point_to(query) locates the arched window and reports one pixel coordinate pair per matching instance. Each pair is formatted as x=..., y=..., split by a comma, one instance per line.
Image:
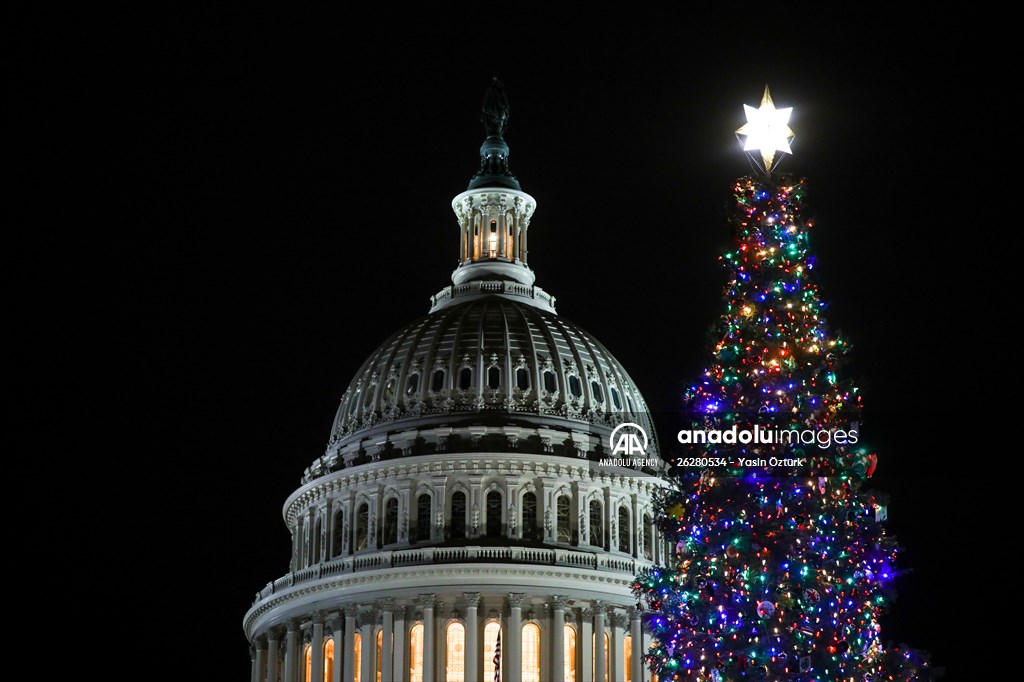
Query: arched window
x=328, y=659
x=380, y=652
x=530, y=516
x=357, y=658
x=596, y=524
x=465, y=378
x=625, y=542
x=490, y=641
x=569, y=653
x=628, y=644
x=437, y=382
x=494, y=514
x=607, y=648
x=458, y=514
x=424, y=510
x=615, y=398
x=455, y=653
x=314, y=557
x=564, y=531
x=307, y=663
x=391, y=521
x=575, y=387
x=595, y=388
x=338, y=534
x=549, y=381
x=493, y=378
x=362, y=526
x=415, y=653
x=648, y=541
x=522, y=378
x=531, y=653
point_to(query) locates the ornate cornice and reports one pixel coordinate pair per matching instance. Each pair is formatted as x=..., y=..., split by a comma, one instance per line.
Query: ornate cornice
x=515, y=599
x=471, y=599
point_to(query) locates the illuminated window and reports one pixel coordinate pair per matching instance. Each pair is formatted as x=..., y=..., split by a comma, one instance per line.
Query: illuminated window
x=415, y=653
x=564, y=532
x=569, y=653
x=531, y=653
x=455, y=653
x=328, y=659
x=492, y=240
x=339, y=533
x=607, y=648
x=307, y=663
x=357, y=658
x=647, y=537
x=624, y=539
x=362, y=524
x=596, y=524
x=493, y=514
x=490, y=640
x=530, y=531
x=380, y=652
x=458, y=514
x=628, y=644
x=423, y=514
x=391, y=521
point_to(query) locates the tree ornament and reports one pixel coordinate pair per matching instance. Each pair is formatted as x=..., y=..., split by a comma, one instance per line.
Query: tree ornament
x=732, y=552
x=765, y=609
x=812, y=596
x=677, y=510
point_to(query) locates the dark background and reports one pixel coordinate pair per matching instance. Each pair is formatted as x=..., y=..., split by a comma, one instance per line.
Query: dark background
x=223, y=212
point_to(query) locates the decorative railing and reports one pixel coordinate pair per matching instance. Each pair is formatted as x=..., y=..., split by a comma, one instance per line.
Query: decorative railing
x=447, y=555
x=492, y=287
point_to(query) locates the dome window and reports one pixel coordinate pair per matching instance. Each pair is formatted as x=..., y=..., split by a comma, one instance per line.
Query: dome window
x=492, y=240
x=412, y=384
x=389, y=391
x=437, y=382
x=564, y=532
x=615, y=398
x=493, y=378
x=596, y=524
x=391, y=521
x=530, y=516
x=595, y=389
x=458, y=514
x=575, y=387
x=624, y=540
x=423, y=514
x=493, y=514
x=522, y=379
x=465, y=378
x=549, y=381
x=362, y=526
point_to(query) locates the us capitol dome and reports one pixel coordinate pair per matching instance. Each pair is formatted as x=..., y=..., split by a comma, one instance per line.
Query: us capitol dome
x=468, y=488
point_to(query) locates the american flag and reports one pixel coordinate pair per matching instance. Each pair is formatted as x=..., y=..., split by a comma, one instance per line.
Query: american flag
x=497, y=658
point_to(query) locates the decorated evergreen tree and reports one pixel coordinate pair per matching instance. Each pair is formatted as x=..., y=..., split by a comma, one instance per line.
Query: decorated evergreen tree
x=782, y=567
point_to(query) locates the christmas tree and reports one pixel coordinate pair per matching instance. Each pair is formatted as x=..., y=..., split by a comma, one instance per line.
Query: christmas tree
x=782, y=566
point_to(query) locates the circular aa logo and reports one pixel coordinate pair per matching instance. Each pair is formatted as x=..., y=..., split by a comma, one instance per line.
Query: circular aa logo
x=628, y=442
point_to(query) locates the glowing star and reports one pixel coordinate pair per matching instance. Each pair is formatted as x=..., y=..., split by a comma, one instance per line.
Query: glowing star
x=767, y=129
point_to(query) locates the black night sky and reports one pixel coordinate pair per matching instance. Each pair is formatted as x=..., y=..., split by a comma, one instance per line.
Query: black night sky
x=233, y=208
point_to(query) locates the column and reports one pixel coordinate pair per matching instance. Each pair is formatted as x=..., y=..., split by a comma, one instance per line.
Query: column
x=400, y=664
x=348, y=660
x=636, y=634
x=426, y=602
x=513, y=652
x=316, y=650
x=291, y=652
x=585, y=644
x=600, y=671
x=387, y=609
x=366, y=624
x=473, y=663
x=253, y=667
x=273, y=636
x=334, y=626
x=618, y=623
x=261, y=659
x=558, y=638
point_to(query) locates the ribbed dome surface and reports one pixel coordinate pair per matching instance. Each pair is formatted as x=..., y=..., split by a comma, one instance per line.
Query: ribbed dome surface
x=489, y=357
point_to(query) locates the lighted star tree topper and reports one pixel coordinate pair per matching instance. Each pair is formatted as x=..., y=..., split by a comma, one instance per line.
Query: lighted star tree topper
x=782, y=567
x=767, y=130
